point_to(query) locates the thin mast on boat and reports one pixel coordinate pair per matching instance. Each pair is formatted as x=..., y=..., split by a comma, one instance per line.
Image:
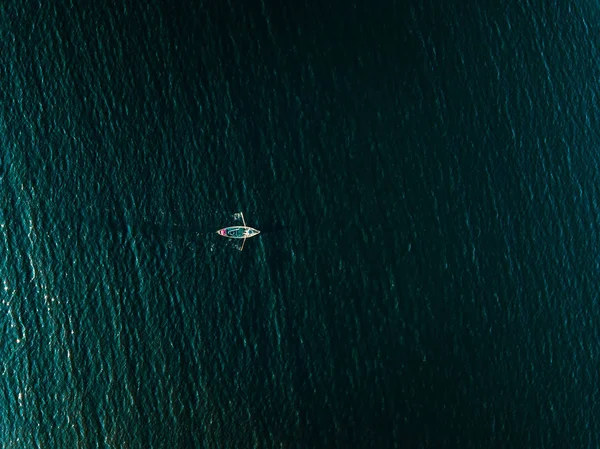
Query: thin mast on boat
x=243, y=221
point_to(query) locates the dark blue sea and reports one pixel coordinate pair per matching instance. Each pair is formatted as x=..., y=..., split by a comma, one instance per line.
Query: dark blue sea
x=425, y=177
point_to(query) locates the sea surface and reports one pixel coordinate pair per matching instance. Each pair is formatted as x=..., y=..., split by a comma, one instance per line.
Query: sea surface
x=425, y=176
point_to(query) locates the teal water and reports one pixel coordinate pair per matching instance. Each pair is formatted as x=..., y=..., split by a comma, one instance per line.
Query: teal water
x=425, y=183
